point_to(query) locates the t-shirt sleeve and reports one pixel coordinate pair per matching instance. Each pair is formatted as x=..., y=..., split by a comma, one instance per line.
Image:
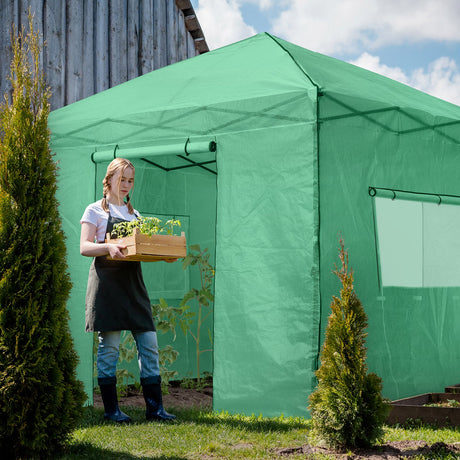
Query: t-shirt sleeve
x=90, y=215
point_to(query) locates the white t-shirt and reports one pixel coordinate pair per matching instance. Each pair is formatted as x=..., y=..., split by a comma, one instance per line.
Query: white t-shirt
x=94, y=214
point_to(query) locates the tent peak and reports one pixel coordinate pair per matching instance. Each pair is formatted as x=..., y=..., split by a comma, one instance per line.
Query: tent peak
x=278, y=42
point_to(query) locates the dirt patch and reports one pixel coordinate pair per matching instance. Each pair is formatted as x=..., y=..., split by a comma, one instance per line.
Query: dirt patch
x=389, y=451
x=178, y=397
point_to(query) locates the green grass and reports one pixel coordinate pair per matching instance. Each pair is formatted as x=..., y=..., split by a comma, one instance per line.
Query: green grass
x=208, y=435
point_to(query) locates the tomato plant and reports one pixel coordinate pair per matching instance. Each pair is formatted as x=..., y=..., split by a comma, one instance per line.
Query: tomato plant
x=146, y=225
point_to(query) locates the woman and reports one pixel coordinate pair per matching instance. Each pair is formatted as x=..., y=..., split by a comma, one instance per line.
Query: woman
x=116, y=297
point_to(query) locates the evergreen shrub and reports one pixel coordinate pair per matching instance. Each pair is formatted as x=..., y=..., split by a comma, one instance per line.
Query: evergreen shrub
x=40, y=398
x=347, y=407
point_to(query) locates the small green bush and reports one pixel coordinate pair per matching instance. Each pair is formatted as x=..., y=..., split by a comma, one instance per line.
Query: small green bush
x=40, y=398
x=347, y=407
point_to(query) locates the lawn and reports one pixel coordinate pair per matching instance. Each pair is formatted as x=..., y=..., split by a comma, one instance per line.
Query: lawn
x=208, y=435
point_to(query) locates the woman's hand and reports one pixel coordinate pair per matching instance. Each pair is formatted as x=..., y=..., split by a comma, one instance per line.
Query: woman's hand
x=115, y=251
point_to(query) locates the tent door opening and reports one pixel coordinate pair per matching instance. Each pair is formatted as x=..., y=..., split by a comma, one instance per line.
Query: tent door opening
x=188, y=194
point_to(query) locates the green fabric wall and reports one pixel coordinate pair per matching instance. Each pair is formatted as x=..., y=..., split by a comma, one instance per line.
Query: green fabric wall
x=411, y=334
x=266, y=317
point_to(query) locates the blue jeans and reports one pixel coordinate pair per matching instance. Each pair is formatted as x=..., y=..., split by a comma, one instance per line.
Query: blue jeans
x=147, y=354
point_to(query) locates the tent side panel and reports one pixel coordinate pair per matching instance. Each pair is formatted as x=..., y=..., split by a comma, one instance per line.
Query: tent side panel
x=412, y=329
x=266, y=317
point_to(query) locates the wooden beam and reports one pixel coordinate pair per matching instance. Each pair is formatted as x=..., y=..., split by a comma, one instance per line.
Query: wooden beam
x=201, y=45
x=184, y=4
x=193, y=25
x=191, y=22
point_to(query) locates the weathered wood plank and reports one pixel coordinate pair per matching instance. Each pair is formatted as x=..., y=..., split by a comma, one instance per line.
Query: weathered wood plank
x=160, y=57
x=133, y=39
x=17, y=14
x=181, y=37
x=101, y=47
x=55, y=52
x=22, y=11
x=88, y=49
x=74, y=52
x=147, y=36
x=118, y=42
x=191, y=50
x=171, y=32
x=36, y=8
x=6, y=54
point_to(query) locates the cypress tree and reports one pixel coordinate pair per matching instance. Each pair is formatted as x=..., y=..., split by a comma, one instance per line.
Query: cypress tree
x=347, y=407
x=40, y=398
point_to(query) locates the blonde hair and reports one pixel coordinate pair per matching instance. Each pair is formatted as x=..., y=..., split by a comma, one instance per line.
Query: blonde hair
x=118, y=164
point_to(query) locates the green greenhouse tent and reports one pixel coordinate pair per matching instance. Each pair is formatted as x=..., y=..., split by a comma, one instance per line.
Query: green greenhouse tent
x=269, y=153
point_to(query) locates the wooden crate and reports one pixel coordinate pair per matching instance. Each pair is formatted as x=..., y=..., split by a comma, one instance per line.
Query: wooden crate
x=147, y=248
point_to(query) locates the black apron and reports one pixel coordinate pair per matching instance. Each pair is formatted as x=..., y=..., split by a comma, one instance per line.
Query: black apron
x=116, y=296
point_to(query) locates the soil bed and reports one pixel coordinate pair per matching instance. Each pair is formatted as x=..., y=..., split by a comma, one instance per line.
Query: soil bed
x=181, y=398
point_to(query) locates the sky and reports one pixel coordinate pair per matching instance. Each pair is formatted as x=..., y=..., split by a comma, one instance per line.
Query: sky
x=416, y=42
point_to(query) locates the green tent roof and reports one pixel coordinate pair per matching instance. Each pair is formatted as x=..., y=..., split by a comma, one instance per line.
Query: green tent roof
x=261, y=66
x=335, y=76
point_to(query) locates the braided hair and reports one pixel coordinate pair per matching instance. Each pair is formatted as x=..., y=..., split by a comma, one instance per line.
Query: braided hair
x=118, y=164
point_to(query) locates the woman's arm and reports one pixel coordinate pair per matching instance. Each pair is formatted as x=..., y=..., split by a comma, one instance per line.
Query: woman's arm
x=89, y=248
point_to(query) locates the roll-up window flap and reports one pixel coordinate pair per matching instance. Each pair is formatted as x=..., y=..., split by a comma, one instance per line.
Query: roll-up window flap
x=187, y=147
x=395, y=194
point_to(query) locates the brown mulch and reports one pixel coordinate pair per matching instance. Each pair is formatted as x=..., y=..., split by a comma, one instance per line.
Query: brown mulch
x=390, y=451
x=178, y=397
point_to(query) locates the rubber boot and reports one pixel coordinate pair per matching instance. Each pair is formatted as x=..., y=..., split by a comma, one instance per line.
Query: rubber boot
x=111, y=410
x=154, y=403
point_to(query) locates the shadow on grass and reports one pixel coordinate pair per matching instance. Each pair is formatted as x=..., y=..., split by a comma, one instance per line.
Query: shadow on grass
x=207, y=417
x=93, y=420
x=95, y=417
x=252, y=423
x=89, y=451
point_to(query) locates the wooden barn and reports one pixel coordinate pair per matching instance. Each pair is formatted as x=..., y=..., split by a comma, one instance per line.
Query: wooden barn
x=94, y=45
